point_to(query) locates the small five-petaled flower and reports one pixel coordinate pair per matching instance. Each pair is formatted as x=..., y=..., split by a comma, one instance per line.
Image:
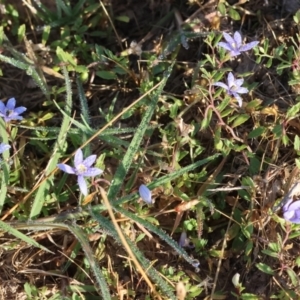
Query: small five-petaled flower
x=234, y=45
x=233, y=87
x=9, y=112
x=82, y=168
x=291, y=211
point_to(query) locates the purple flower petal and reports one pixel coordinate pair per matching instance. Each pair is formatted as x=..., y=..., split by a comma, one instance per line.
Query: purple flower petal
x=19, y=110
x=239, y=100
x=66, y=168
x=294, y=206
x=288, y=215
x=238, y=39
x=225, y=46
x=249, y=46
x=13, y=116
x=234, y=53
x=11, y=103
x=230, y=80
x=82, y=185
x=287, y=204
x=242, y=90
x=239, y=82
x=221, y=84
x=89, y=160
x=2, y=107
x=145, y=194
x=78, y=157
x=228, y=39
x=91, y=172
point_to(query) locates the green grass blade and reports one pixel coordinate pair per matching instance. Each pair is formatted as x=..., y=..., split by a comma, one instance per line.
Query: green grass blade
x=101, y=283
x=5, y=166
x=30, y=70
x=7, y=228
x=45, y=186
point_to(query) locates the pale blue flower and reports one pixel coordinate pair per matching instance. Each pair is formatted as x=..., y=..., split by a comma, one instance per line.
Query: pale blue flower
x=234, y=45
x=291, y=211
x=145, y=194
x=3, y=147
x=233, y=87
x=82, y=168
x=9, y=112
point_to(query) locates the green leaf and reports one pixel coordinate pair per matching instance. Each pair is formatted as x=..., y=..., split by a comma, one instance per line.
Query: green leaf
x=269, y=62
x=293, y=276
x=234, y=15
x=249, y=248
x=81, y=69
x=246, y=296
x=205, y=122
x=265, y=268
x=297, y=161
x=222, y=8
x=247, y=230
x=224, y=104
x=277, y=130
x=293, y=111
x=241, y=119
x=124, y=19
x=285, y=140
x=257, y=132
x=65, y=56
x=253, y=104
x=297, y=261
x=21, y=33
x=106, y=75
x=46, y=34
x=270, y=253
x=274, y=247
x=297, y=143
x=1, y=35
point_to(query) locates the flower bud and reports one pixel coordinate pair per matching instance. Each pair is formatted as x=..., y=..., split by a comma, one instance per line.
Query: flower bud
x=236, y=280
x=145, y=194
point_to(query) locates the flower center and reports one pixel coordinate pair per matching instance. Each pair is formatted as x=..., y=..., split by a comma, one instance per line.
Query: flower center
x=9, y=112
x=233, y=87
x=81, y=168
x=233, y=45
